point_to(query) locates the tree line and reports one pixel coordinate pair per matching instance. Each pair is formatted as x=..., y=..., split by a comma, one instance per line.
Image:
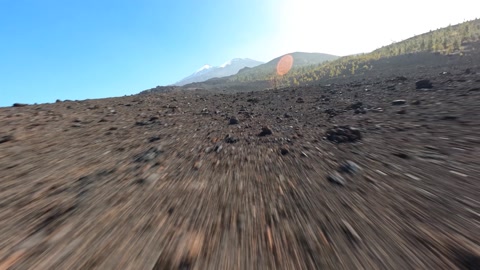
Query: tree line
x=448, y=40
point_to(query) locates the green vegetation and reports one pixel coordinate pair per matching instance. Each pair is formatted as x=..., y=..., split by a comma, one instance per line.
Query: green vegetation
x=449, y=40
x=267, y=70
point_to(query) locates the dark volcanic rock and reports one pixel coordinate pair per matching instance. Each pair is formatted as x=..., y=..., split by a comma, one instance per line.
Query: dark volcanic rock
x=149, y=155
x=218, y=148
x=284, y=151
x=349, y=167
x=449, y=117
x=331, y=113
x=230, y=139
x=398, y=102
x=402, y=111
x=401, y=155
x=356, y=105
x=154, y=139
x=343, y=134
x=360, y=111
x=6, y=138
x=416, y=102
x=265, y=131
x=336, y=178
x=423, y=84
x=19, y=105
x=233, y=121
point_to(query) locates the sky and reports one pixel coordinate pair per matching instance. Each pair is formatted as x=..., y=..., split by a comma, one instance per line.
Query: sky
x=81, y=49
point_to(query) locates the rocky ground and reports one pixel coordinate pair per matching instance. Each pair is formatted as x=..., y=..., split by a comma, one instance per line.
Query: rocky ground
x=369, y=174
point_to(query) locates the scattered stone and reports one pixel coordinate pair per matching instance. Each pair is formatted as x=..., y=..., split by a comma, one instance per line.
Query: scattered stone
x=140, y=181
x=416, y=102
x=423, y=84
x=149, y=155
x=331, y=112
x=58, y=101
x=284, y=151
x=343, y=134
x=152, y=120
x=230, y=139
x=468, y=71
x=300, y=100
x=402, y=111
x=356, y=105
x=336, y=178
x=6, y=138
x=218, y=148
x=458, y=173
x=208, y=150
x=287, y=115
x=233, y=121
x=391, y=87
x=349, y=167
x=360, y=111
x=350, y=232
x=197, y=165
x=154, y=139
x=449, y=117
x=412, y=177
x=76, y=125
x=399, y=102
x=265, y=131
x=466, y=259
x=19, y=105
x=401, y=155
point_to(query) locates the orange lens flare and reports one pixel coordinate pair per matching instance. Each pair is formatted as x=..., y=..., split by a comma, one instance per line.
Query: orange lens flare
x=284, y=65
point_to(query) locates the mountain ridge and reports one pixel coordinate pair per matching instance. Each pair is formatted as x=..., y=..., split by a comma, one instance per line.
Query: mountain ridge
x=227, y=69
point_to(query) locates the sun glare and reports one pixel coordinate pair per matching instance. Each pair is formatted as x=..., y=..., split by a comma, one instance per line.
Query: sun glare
x=284, y=64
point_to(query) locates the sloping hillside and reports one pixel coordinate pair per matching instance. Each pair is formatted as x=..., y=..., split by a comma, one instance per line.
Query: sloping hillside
x=300, y=59
x=453, y=40
x=457, y=39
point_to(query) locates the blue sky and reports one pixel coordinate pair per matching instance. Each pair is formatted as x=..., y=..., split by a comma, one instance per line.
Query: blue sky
x=57, y=49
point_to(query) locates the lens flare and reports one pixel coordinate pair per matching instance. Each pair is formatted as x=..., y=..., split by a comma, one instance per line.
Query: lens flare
x=284, y=65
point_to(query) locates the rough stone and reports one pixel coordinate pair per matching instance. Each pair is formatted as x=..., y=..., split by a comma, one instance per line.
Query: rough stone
x=343, y=134
x=265, y=131
x=423, y=84
x=233, y=121
x=399, y=102
x=337, y=179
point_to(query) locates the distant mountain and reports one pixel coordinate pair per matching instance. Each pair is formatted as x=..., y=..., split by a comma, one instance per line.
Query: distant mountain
x=300, y=59
x=229, y=68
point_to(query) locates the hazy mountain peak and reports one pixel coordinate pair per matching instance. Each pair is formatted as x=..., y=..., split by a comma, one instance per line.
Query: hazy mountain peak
x=228, y=68
x=205, y=67
x=235, y=60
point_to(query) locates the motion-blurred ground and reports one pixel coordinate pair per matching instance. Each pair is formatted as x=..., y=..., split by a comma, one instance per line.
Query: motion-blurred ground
x=370, y=173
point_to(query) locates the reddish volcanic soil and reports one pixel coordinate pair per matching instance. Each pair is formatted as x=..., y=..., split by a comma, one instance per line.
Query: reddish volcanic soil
x=372, y=174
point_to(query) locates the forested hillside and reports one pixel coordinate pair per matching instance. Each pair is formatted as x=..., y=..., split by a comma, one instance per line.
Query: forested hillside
x=456, y=39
